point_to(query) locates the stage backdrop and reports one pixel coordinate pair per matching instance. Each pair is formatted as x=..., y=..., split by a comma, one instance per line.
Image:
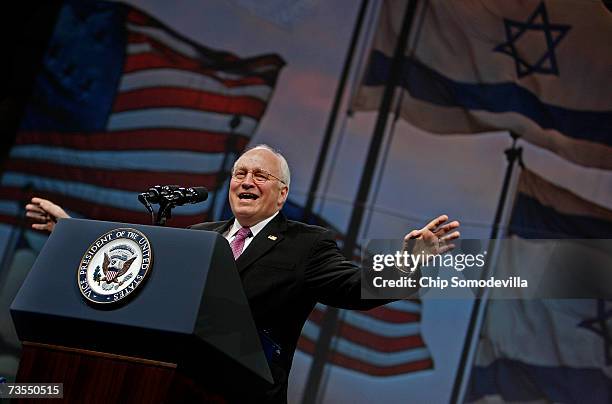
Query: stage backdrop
x=189, y=84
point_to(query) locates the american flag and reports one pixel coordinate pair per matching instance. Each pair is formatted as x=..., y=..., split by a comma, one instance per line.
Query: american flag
x=122, y=103
x=385, y=341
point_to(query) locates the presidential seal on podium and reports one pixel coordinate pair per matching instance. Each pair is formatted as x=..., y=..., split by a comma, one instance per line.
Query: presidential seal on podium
x=114, y=266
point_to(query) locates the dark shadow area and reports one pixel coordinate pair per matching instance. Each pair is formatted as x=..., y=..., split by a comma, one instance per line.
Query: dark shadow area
x=27, y=27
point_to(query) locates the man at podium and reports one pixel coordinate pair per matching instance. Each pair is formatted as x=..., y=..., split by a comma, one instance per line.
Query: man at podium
x=286, y=267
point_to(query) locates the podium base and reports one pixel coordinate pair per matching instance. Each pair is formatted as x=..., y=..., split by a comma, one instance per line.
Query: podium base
x=98, y=377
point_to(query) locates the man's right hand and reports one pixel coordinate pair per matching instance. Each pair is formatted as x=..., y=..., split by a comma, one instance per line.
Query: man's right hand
x=44, y=213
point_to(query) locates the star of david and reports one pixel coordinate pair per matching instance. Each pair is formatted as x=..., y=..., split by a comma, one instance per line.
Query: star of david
x=599, y=325
x=553, y=33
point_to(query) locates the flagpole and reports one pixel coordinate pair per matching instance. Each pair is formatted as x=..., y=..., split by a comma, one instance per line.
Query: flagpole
x=339, y=128
x=381, y=171
x=230, y=147
x=513, y=154
x=333, y=116
x=329, y=321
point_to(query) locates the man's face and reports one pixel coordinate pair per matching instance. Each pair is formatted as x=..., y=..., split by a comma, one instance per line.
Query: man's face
x=252, y=202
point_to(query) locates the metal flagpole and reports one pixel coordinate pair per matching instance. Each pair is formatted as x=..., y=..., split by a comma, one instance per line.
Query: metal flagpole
x=230, y=148
x=513, y=154
x=333, y=116
x=366, y=37
x=381, y=170
x=329, y=322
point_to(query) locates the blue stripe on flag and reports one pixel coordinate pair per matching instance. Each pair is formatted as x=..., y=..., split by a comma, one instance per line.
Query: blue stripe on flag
x=555, y=384
x=152, y=160
x=430, y=86
x=531, y=219
x=95, y=194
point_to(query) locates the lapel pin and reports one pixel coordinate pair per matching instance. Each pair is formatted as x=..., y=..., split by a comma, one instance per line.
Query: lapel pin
x=273, y=238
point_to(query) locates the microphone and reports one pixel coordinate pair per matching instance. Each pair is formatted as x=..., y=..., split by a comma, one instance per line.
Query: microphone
x=181, y=195
x=174, y=194
x=157, y=193
x=168, y=197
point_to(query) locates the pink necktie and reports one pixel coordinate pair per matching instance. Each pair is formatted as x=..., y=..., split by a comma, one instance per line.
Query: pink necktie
x=238, y=243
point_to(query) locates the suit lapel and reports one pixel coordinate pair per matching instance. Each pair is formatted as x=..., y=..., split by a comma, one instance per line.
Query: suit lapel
x=267, y=238
x=223, y=227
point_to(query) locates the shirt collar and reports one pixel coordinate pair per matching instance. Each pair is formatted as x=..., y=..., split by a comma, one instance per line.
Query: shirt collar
x=254, y=229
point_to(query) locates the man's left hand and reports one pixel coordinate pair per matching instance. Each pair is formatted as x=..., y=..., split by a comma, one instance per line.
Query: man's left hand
x=435, y=238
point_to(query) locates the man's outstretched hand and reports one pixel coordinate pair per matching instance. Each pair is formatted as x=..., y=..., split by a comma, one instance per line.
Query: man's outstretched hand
x=44, y=213
x=435, y=238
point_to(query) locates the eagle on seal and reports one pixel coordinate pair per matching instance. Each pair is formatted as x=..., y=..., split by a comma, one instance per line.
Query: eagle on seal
x=114, y=272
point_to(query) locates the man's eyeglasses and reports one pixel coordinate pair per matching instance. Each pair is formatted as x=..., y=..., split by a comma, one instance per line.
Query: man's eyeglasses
x=259, y=176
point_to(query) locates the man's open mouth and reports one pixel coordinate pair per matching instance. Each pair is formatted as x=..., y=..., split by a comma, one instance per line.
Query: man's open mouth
x=247, y=195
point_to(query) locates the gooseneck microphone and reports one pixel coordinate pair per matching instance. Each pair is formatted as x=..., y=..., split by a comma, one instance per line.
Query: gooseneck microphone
x=157, y=193
x=175, y=194
x=170, y=196
x=181, y=196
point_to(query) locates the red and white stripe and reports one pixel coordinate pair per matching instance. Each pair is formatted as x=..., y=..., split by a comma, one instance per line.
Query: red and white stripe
x=180, y=110
x=111, y=274
x=382, y=342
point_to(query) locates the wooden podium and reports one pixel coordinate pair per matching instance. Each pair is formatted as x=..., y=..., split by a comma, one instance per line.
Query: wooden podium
x=185, y=335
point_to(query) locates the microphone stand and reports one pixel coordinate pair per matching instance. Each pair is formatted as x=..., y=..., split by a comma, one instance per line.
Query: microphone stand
x=169, y=197
x=145, y=201
x=164, y=212
x=167, y=201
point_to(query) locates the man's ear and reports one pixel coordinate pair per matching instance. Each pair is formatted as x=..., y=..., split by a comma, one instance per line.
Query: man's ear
x=282, y=197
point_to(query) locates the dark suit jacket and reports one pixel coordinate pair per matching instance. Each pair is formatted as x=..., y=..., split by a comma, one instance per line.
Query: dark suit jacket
x=284, y=276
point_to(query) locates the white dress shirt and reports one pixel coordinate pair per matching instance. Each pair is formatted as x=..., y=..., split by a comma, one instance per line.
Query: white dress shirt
x=231, y=234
